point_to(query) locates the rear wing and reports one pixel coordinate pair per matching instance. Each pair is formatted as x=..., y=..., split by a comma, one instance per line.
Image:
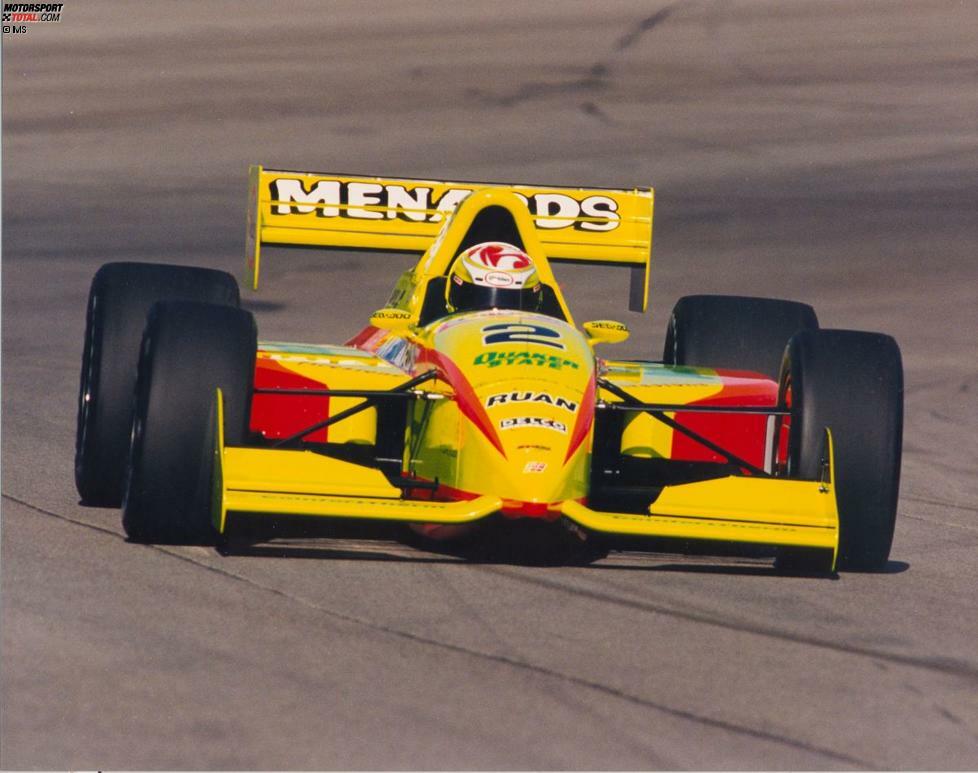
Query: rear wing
x=588, y=225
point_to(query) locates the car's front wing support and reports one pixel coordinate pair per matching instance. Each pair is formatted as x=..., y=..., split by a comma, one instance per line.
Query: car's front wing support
x=276, y=482
x=659, y=412
x=370, y=398
x=776, y=512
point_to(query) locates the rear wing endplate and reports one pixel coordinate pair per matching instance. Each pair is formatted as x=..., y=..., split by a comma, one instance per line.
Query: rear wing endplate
x=589, y=225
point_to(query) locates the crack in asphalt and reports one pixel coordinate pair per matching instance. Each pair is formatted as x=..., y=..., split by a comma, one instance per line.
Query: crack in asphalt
x=591, y=109
x=632, y=37
x=593, y=80
x=521, y=665
x=942, y=665
x=596, y=77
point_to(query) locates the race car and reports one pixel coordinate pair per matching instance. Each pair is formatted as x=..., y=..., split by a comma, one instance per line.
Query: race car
x=474, y=398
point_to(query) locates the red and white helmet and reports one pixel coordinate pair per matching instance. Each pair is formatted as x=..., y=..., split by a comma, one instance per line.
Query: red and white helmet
x=493, y=275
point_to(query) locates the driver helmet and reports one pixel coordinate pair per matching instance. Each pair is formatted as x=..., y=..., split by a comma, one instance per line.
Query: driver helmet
x=494, y=275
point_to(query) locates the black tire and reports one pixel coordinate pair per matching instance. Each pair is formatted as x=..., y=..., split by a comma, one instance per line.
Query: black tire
x=731, y=331
x=119, y=300
x=852, y=383
x=188, y=350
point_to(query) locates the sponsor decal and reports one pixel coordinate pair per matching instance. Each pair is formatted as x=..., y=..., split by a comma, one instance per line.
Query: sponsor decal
x=535, y=467
x=365, y=200
x=532, y=447
x=494, y=359
x=608, y=325
x=498, y=279
x=508, y=398
x=391, y=314
x=16, y=16
x=516, y=422
x=521, y=333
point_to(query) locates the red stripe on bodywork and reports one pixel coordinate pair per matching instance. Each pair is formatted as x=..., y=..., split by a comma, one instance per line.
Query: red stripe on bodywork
x=741, y=435
x=370, y=338
x=511, y=508
x=365, y=338
x=278, y=416
x=585, y=418
x=468, y=401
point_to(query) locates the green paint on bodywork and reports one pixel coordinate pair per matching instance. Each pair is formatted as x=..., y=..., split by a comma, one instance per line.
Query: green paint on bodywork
x=494, y=359
x=323, y=349
x=657, y=374
x=345, y=357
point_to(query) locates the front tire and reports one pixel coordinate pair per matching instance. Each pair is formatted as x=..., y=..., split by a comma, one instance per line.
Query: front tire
x=120, y=297
x=734, y=332
x=852, y=383
x=188, y=350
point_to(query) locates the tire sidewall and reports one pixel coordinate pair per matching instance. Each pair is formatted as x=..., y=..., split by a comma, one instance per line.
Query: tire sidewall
x=188, y=351
x=852, y=383
x=120, y=297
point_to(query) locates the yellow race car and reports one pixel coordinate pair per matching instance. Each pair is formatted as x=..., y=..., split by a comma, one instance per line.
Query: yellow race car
x=473, y=397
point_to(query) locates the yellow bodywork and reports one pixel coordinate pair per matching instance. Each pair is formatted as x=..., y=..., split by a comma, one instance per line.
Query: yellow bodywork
x=261, y=481
x=642, y=435
x=340, y=368
x=506, y=422
x=595, y=225
x=765, y=511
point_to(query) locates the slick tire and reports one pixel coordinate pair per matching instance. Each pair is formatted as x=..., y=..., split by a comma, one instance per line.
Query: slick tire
x=188, y=350
x=852, y=383
x=734, y=332
x=119, y=300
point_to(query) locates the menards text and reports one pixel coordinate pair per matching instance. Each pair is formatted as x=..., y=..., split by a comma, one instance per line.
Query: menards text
x=376, y=201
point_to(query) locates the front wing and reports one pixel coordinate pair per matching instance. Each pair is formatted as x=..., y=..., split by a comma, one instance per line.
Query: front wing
x=272, y=483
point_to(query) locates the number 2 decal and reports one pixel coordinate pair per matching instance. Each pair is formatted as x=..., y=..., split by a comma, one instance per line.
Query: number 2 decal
x=512, y=332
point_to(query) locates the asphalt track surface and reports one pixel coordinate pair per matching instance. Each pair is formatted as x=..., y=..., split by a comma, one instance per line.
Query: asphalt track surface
x=821, y=151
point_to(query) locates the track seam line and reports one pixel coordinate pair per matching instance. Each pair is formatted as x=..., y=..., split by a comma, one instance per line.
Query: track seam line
x=492, y=657
x=932, y=522
x=62, y=517
x=940, y=503
x=951, y=667
x=525, y=666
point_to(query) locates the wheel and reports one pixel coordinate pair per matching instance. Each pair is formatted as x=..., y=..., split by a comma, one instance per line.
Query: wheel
x=852, y=383
x=730, y=331
x=118, y=302
x=188, y=350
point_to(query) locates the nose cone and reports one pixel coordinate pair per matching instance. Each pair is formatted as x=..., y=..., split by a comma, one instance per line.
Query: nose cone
x=541, y=425
x=528, y=402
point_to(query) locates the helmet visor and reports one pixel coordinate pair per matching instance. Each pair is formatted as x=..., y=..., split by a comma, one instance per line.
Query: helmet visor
x=472, y=297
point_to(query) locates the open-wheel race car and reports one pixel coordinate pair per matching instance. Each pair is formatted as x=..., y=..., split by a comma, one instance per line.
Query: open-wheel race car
x=473, y=397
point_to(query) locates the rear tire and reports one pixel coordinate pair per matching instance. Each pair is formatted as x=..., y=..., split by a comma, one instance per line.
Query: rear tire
x=734, y=332
x=120, y=298
x=188, y=350
x=852, y=383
